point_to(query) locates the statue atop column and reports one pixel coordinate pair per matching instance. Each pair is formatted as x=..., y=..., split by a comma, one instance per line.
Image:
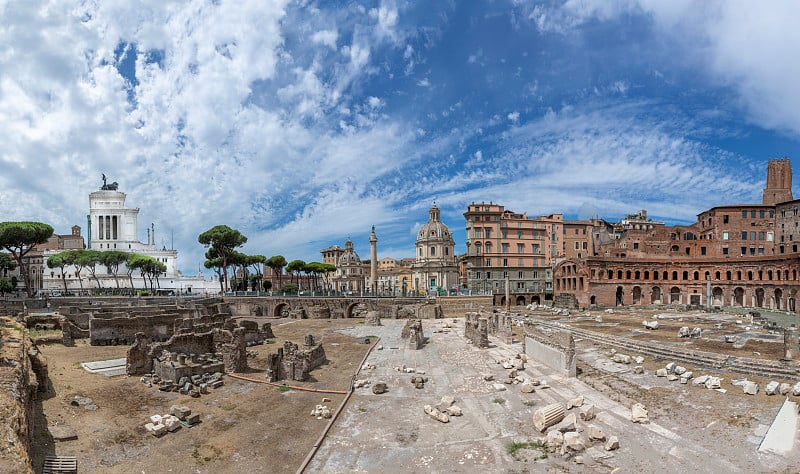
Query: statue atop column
x=108, y=186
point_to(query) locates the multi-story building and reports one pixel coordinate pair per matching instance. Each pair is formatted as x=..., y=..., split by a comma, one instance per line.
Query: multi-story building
x=502, y=244
x=741, y=255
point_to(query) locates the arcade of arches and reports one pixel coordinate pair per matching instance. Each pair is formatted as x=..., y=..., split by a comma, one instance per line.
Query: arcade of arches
x=769, y=283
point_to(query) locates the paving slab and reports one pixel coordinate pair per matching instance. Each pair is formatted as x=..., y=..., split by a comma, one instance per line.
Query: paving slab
x=108, y=368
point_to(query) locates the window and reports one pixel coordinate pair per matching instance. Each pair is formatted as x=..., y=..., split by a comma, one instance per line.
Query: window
x=520, y=262
x=446, y=251
x=744, y=235
x=477, y=233
x=724, y=236
x=488, y=262
x=520, y=248
x=744, y=214
x=752, y=250
x=635, y=245
x=702, y=250
x=771, y=213
x=535, y=275
x=744, y=251
x=770, y=236
x=761, y=235
x=433, y=251
x=752, y=236
x=420, y=251
x=488, y=275
x=488, y=233
x=504, y=234
x=725, y=219
x=505, y=248
x=761, y=250
x=761, y=213
x=724, y=250
x=505, y=274
x=505, y=262
x=519, y=275
x=577, y=245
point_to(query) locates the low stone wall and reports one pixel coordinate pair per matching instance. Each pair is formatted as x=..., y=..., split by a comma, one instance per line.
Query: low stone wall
x=552, y=347
x=476, y=329
x=457, y=306
x=18, y=387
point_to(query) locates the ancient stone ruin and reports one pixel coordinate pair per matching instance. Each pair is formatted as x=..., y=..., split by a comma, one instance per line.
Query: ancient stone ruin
x=476, y=330
x=189, y=352
x=413, y=332
x=552, y=347
x=294, y=363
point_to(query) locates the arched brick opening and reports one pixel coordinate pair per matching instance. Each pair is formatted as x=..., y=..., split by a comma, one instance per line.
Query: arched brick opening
x=738, y=297
x=520, y=300
x=637, y=295
x=778, y=298
x=717, y=297
x=760, y=297
x=655, y=296
x=675, y=295
x=281, y=310
x=619, y=294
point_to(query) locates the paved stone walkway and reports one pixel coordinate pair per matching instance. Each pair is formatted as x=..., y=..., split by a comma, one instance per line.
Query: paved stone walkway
x=391, y=433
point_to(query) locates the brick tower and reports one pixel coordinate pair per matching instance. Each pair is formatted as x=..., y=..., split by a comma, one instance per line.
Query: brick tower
x=779, y=182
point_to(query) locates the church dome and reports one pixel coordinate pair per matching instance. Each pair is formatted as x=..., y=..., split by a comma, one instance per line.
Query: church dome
x=434, y=229
x=349, y=257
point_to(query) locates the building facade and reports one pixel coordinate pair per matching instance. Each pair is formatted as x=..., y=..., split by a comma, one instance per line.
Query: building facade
x=435, y=268
x=502, y=244
x=733, y=255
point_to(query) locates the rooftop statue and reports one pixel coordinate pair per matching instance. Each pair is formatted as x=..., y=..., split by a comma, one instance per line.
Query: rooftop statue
x=108, y=187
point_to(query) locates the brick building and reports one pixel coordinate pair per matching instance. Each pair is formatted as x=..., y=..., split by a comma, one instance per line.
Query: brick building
x=739, y=255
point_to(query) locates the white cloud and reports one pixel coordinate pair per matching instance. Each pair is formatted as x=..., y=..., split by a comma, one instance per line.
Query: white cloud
x=424, y=82
x=513, y=117
x=326, y=37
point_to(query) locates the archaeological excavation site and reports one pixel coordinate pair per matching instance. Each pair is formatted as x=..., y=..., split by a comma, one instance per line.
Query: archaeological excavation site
x=348, y=384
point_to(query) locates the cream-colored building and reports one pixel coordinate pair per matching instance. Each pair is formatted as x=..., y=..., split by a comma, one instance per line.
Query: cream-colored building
x=435, y=268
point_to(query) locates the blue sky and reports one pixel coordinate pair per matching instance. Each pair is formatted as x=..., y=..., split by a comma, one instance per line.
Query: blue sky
x=304, y=123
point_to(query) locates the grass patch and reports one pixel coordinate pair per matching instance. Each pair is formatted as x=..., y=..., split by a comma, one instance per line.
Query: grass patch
x=269, y=341
x=499, y=401
x=362, y=409
x=283, y=389
x=514, y=449
x=227, y=406
x=530, y=403
x=206, y=453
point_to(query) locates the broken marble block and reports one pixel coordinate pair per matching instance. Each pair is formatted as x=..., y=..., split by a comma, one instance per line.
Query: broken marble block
x=573, y=441
x=180, y=412
x=772, y=388
x=575, y=402
x=750, y=388
x=436, y=414
x=596, y=434
x=612, y=443
x=548, y=416
x=639, y=413
x=587, y=412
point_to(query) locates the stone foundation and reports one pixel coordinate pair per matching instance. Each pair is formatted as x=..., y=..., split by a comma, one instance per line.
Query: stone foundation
x=293, y=363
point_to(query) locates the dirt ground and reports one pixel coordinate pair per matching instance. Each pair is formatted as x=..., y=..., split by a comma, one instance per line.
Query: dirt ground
x=245, y=427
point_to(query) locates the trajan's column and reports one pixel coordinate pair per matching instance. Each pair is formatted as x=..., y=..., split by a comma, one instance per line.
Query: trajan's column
x=373, y=261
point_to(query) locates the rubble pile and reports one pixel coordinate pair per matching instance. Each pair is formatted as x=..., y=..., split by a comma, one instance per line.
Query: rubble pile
x=193, y=385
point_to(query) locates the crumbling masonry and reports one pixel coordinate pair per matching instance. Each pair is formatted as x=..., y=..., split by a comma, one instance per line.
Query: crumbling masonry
x=294, y=363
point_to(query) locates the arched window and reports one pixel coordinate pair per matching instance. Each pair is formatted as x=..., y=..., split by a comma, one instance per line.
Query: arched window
x=628, y=275
x=717, y=276
x=610, y=274
x=749, y=275
x=696, y=275
x=685, y=275
x=674, y=275
x=433, y=251
x=619, y=274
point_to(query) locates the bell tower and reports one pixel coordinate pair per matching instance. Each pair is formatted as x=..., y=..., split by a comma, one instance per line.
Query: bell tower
x=779, y=182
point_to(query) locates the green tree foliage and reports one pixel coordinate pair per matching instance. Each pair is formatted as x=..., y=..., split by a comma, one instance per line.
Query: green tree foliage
x=112, y=259
x=5, y=286
x=295, y=266
x=276, y=264
x=6, y=262
x=19, y=238
x=221, y=241
x=89, y=259
x=326, y=270
x=57, y=261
